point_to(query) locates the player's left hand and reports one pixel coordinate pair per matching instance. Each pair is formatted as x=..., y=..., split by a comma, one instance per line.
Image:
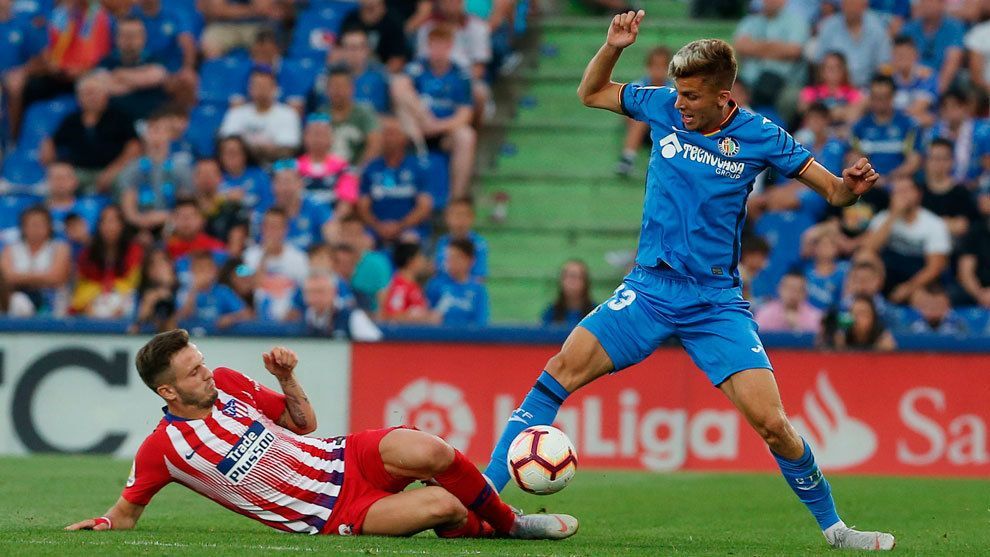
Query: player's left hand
x=89, y=524
x=280, y=362
x=860, y=177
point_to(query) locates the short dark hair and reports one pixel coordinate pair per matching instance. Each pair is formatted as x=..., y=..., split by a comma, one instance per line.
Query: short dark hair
x=38, y=209
x=819, y=108
x=154, y=359
x=466, y=200
x=942, y=142
x=337, y=70
x=956, y=94
x=904, y=40
x=186, y=202
x=404, y=253
x=881, y=79
x=464, y=246
x=658, y=52
x=755, y=244
x=278, y=212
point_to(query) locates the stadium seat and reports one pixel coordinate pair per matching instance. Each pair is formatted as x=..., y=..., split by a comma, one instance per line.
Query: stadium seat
x=204, y=121
x=438, y=173
x=297, y=76
x=782, y=230
x=977, y=319
x=21, y=171
x=317, y=28
x=43, y=118
x=223, y=79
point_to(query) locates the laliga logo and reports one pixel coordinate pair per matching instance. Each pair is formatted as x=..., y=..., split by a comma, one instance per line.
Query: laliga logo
x=433, y=407
x=840, y=441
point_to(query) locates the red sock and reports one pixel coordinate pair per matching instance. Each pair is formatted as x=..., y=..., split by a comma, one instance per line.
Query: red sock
x=464, y=481
x=473, y=527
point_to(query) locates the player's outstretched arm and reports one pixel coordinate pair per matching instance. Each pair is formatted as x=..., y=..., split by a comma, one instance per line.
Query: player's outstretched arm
x=841, y=192
x=597, y=89
x=123, y=515
x=299, y=415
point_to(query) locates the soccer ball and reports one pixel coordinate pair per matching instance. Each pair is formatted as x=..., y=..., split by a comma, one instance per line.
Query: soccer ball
x=542, y=460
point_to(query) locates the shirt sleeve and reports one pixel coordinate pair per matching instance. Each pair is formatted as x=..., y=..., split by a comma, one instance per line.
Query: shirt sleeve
x=288, y=133
x=783, y=153
x=642, y=102
x=271, y=403
x=148, y=472
x=938, y=241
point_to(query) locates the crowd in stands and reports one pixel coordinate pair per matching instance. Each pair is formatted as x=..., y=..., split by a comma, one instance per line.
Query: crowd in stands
x=216, y=162
x=904, y=83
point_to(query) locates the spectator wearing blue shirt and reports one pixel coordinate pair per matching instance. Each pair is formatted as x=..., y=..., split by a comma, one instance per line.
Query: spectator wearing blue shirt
x=150, y=186
x=395, y=201
x=970, y=137
x=309, y=219
x=460, y=300
x=371, y=83
x=459, y=217
x=62, y=200
x=208, y=302
x=243, y=181
x=886, y=135
x=893, y=12
x=434, y=99
x=20, y=41
x=825, y=274
x=916, y=84
x=137, y=80
x=939, y=39
x=573, y=296
x=170, y=39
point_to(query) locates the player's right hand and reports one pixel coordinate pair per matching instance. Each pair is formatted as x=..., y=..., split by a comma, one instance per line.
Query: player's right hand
x=624, y=28
x=88, y=524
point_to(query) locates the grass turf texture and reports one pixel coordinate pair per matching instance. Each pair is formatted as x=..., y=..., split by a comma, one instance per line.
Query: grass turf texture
x=622, y=513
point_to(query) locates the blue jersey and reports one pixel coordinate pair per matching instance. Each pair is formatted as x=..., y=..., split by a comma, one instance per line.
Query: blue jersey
x=932, y=48
x=372, y=87
x=442, y=94
x=393, y=191
x=972, y=142
x=306, y=228
x=460, y=303
x=164, y=30
x=480, y=268
x=87, y=207
x=216, y=302
x=697, y=184
x=256, y=184
x=18, y=42
x=825, y=291
x=886, y=144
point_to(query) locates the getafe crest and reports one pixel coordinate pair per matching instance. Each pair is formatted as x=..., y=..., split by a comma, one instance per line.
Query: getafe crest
x=728, y=147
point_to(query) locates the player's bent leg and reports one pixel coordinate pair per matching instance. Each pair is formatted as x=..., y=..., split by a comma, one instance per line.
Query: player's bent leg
x=409, y=512
x=408, y=453
x=754, y=392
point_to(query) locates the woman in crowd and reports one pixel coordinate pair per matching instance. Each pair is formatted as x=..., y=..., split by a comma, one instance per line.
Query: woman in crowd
x=573, y=296
x=863, y=330
x=156, y=293
x=833, y=89
x=243, y=180
x=38, y=265
x=109, y=269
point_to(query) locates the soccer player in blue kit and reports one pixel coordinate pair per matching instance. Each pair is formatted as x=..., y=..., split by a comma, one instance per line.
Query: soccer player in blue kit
x=707, y=152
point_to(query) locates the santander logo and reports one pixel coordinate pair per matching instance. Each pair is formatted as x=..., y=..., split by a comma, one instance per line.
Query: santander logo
x=434, y=407
x=838, y=439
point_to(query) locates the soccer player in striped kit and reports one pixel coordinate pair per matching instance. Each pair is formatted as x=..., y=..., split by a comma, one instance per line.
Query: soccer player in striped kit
x=243, y=445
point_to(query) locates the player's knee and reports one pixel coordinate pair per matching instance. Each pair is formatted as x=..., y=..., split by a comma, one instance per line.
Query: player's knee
x=435, y=454
x=773, y=427
x=444, y=508
x=567, y=370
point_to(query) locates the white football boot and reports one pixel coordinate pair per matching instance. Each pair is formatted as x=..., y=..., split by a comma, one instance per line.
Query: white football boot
x=544, y=527
x=841, y=536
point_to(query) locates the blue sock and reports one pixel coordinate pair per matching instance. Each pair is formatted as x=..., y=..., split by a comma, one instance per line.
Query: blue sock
x=538, y=408
x=810, y=485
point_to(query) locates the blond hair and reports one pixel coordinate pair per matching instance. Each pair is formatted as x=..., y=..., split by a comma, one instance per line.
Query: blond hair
x=712, y=59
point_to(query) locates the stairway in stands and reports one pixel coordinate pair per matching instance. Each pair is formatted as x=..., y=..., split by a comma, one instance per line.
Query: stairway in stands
x=555, y=159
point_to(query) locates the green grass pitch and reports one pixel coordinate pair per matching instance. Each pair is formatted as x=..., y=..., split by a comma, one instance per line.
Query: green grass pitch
x=622, y=513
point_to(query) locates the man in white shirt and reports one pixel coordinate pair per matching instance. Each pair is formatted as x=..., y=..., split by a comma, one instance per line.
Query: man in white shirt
x=271, y=129
x=914, y=242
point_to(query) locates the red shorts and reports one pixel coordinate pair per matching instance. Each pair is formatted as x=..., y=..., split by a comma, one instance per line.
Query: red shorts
x=365, y=482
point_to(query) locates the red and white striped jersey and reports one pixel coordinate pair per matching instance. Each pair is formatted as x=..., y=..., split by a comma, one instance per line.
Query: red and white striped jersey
x=240, y=458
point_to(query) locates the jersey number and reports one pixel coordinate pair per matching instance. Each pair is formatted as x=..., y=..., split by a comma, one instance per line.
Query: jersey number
x=622, y=298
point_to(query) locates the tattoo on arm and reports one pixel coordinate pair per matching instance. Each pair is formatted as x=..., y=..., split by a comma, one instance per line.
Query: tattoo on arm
x=296, y=402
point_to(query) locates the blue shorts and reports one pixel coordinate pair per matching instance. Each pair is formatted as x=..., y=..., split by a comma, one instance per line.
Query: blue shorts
x=714, y=324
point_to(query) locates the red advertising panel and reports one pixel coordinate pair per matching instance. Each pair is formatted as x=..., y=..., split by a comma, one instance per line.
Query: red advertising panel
x=915, y=414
